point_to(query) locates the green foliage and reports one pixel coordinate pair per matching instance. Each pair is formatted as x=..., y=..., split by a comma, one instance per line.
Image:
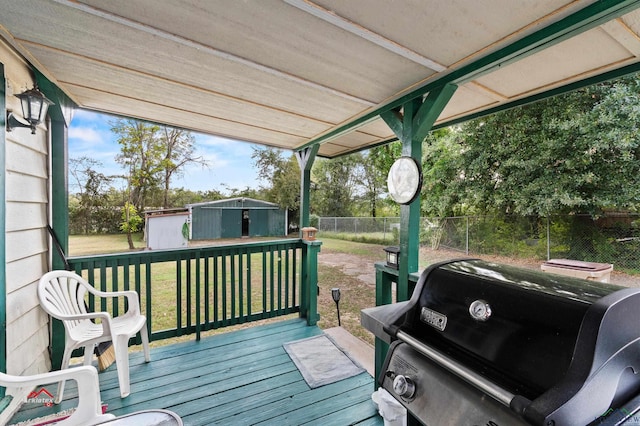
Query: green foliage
x=91, y=207
x=334, y=186
x=441, y=165
x=141, y=157
x=131, y=220
x=508, y=236
x=575, y=153
x=281, y=177
x=603, y=241
x=178, y=150
x=367, y=238
x=152, y=155
x=370, y=176
x=185, y=231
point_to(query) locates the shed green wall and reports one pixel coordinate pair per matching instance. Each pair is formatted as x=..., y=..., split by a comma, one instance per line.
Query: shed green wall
x=223, y=219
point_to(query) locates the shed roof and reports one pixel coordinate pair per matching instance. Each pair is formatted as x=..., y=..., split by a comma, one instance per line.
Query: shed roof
x=291, y=73
x=240, y=202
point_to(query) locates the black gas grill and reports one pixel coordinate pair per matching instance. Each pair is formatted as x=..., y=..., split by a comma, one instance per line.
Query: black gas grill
x=487, y=344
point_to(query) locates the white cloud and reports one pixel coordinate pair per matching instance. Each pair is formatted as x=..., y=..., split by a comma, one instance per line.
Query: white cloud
x=229, y=160
x=86, y=134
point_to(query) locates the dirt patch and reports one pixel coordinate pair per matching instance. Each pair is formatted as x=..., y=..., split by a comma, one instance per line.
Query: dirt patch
x=618, y=278
x=353, y=265
x=363, y=267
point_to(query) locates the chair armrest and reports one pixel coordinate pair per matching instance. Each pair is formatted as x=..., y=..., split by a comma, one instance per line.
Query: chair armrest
x=133, y=300
x=104, y=316
x=89, y=410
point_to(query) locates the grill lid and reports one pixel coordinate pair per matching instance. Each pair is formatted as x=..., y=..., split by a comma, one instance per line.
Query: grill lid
x=567, y=348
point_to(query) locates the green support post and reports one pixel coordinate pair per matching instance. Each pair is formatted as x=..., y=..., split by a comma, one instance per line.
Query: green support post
x=60, y=116
x=3, y=214
x=309, y=281
x=412, y=127
x=309, y=285
x=383, y=297
x=60, y=222
x=305, y=157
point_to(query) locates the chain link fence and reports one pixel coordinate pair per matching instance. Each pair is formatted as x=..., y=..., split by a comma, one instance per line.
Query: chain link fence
x=613, y=238
x=374, y=229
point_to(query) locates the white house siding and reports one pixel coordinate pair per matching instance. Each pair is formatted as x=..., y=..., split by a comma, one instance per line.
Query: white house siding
x=26, y=241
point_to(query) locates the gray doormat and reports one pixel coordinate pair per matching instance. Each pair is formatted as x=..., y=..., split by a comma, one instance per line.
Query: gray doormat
x=321, y=361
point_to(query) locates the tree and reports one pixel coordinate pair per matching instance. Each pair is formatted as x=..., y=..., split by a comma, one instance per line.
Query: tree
x=131, y=222
x=179, y=150
x=92, y=196
x=378, y=162
x=334, y=186
x=441, y=168
x=141, y=155
x=153, y=155
x=281, y=179
x=575, y=153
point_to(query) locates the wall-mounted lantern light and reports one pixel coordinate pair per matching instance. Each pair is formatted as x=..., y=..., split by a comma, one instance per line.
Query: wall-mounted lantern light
x=393, y=255
x=34, y=109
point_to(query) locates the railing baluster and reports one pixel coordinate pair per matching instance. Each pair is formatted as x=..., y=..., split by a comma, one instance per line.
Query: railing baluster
x=249, y=278
x=277, y=272
x=92, y=279
x=103, y=285
x=216, y=299
x=264, y=282
x=287, y=302
x=198, y=304
x=233, y=286
x=188, y=283
x=147, y=290
x=271, y=283
x=179, y=297
x=240, y=287
x=294, y=276
x=114, y=286
x=207, y=304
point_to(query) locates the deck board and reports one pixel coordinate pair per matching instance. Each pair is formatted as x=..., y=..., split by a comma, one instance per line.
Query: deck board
x=242, y=377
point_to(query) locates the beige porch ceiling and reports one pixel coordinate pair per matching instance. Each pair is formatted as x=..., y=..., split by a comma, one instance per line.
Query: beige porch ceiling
x=287, y=73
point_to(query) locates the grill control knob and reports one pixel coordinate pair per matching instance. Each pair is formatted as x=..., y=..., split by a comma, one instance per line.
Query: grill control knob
x=404, y=386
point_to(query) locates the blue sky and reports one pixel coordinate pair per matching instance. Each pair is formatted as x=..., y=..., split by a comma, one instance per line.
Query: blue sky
x=229, y=161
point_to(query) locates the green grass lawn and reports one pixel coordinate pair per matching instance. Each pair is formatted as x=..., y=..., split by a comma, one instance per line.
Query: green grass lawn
x=80, y=245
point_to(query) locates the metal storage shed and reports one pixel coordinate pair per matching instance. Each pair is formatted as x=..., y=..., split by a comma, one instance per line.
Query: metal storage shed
x=165, y=229
x=235, y=218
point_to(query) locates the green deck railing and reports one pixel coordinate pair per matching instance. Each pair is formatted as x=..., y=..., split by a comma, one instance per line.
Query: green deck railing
x=196, y=289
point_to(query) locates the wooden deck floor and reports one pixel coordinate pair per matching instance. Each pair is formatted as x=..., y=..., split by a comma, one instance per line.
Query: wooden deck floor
x=239, y=378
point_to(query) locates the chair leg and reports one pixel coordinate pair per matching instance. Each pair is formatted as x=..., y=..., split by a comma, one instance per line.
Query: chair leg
x=122, y=363
x=65, y=364
x=88, y=354
x=144, y=336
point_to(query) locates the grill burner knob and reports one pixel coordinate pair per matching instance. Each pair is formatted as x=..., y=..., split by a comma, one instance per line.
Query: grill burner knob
x=404, y=386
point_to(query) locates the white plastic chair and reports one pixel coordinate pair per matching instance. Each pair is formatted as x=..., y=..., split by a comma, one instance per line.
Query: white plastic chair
x=62, y=295
x=89, y=409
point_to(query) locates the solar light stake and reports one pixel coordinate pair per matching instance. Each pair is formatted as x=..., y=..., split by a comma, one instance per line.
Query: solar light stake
x=335, y=293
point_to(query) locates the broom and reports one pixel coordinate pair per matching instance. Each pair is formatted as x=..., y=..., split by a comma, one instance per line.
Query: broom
x=104, y=351
x=106, y=355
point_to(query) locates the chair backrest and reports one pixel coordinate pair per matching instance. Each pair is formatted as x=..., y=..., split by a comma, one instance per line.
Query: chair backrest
x=62, y=293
